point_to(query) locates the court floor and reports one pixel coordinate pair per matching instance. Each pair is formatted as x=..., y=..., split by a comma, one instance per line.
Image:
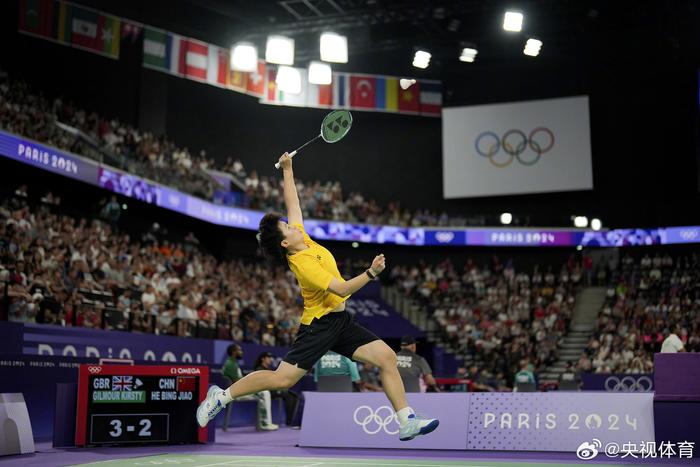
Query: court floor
x=262, y=461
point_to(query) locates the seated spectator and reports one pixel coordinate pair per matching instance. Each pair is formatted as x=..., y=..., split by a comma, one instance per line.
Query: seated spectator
x=232, y=371
x=292, y=399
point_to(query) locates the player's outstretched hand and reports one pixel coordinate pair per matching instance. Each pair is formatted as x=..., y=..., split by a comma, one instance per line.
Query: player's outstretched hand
x=378, y=264
x=285, y=161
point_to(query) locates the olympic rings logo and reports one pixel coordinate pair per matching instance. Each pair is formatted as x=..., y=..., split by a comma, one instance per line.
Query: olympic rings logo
x=373, y=422
x=94, y=369
x=688, y=234
x=514, y=144
x=444, y=237
x=628, y=384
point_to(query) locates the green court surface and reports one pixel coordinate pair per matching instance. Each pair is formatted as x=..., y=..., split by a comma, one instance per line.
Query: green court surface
x=260, y=461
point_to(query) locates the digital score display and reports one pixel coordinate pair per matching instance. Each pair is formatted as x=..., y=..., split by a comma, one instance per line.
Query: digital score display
x=122, y=404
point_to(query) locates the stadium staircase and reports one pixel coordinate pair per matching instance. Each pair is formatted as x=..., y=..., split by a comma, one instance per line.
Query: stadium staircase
x=588, y=304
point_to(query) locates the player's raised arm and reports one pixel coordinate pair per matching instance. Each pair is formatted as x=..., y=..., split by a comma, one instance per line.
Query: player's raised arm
x=291, y=198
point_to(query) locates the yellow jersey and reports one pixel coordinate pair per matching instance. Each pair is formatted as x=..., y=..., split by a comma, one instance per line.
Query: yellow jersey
x=314, y=269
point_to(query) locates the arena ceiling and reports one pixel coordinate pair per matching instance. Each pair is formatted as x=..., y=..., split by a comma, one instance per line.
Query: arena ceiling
x=383, y=34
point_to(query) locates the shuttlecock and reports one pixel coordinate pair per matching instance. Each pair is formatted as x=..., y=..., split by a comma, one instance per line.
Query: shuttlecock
x=406, y=83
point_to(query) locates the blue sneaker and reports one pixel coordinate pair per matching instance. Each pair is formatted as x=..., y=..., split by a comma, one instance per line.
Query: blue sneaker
x=417, y=425
x=209, y=407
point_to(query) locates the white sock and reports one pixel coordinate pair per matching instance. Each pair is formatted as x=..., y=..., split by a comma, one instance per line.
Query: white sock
x=404, y=414
x=224, y=397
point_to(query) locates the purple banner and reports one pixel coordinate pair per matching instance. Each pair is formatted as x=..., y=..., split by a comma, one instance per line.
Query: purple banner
x=553, y=421
x=47, y=158
x=378, y=316
x=690, y=234
x=76, y=167
x=624, y=237
x=130, y=185
x=618, y=382
x=51, y=340
x=366, y=420
x=522, y=237
x=324, y=230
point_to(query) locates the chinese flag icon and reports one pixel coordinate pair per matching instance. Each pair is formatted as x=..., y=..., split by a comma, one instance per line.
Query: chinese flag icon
x=186, y=383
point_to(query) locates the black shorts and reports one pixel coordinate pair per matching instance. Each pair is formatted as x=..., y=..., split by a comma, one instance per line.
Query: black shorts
x=336, y=331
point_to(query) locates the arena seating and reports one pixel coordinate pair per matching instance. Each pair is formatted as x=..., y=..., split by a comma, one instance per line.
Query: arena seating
x=56, y=121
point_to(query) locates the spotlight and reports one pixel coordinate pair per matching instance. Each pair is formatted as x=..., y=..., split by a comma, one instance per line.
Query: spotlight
x=596, y=224
x=421, y=59
x=279, y=50
x=506, y=218
x=288, y=80
x=320, y=73
x=355, y=244
x=468, y=54
x=580, y=222
x=334, y=48
x=406, y=83
x=532, y=47
x=513, y=21
x=244, y=57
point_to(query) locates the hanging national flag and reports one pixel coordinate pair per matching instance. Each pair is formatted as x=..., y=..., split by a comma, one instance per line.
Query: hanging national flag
x=430, y=98
x=83, y=27
x=362, y=91
x=238, y=80
x=110, y=35
x=186, y=383
x=256, y=80
x=193, y=59
x=88, y=30
x=161, y=50
x=320, y=95
x=218, y=66
x=409, y=99
x=270, y=85
x=386, y=94
x=36, y=17
x=341, y=90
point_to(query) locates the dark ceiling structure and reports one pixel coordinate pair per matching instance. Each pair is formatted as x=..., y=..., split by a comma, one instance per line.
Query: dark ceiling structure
x=383, y=34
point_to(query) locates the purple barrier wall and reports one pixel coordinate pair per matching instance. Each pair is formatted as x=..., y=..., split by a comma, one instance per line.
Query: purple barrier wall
x=677, y=376
x=677, y=399
x=489, y=421
x=41, y=339
x=366, y=420
x=618, y=382
x=551, y=421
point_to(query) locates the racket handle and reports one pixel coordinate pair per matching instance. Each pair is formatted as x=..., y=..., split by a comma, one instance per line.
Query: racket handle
x=291, y=154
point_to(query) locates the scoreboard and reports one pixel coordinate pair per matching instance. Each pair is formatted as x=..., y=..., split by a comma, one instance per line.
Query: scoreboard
x=122, y=404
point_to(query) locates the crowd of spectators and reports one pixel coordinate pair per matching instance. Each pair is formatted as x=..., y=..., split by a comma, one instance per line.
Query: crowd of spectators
x=82, y=272
x=647, y=298
x=34, y=115
x=59, y=269
x=498, y=316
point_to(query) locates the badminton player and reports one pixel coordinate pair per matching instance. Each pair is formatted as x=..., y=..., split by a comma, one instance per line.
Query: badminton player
x=325, y=325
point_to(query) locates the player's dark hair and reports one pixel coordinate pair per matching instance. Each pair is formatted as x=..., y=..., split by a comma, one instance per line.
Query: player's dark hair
x=270, y=238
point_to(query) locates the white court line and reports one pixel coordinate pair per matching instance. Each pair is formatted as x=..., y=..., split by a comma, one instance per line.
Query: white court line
x=231, y=462
x=311, y=465
x=334, y=462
